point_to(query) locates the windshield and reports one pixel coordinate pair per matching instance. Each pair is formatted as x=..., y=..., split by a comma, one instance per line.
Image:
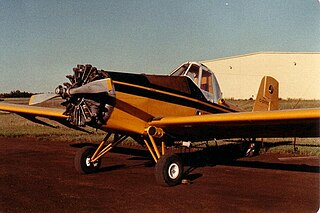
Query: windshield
x=180, y=70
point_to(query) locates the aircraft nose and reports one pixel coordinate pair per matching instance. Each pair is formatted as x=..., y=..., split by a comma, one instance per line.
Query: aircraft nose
x=87, y=96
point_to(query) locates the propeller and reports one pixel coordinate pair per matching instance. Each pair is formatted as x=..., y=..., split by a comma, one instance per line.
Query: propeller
x=81, y=107
x=98, y=86
x=39, y=98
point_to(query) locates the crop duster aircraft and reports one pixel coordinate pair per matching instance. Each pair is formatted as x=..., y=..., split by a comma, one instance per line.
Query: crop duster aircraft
x=157, y=110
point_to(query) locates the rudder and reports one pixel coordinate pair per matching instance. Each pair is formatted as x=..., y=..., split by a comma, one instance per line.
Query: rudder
x=268, y=95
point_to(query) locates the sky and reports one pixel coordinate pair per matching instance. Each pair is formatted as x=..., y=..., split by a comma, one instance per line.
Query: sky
x=42, y=40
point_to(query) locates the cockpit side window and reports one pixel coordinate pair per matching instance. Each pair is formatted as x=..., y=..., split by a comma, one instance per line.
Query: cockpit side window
x=206, y=81
x=209, y=85
x=193, y=73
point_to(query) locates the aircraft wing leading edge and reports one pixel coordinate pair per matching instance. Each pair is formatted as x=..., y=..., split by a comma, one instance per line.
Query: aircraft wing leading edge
x=33, y=110
x=283, y=123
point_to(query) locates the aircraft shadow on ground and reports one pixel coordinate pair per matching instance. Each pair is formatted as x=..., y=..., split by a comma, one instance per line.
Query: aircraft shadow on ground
x=228, y=155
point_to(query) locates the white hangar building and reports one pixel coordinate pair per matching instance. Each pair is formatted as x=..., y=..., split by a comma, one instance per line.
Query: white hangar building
x=239, y=76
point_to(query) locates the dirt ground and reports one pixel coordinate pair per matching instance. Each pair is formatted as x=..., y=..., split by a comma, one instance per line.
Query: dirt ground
x=38, y=176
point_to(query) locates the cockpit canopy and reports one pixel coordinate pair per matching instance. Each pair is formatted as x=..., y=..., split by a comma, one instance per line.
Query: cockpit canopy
x=202, y=77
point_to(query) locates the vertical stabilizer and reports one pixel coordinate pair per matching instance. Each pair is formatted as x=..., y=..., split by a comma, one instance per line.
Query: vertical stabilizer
x=268, y=95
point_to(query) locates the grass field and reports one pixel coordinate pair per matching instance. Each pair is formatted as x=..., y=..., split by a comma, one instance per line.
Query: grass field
x=12, y=125
x=247, y=105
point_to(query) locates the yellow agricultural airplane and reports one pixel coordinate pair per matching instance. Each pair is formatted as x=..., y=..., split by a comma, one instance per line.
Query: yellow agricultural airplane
x=157, y=110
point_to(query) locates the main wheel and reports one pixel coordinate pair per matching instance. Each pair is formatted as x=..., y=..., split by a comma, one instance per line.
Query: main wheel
x=82, y=161
x=169, y=170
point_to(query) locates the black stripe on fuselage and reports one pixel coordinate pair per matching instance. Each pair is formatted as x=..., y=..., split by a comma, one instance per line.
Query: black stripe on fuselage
x=139, y=84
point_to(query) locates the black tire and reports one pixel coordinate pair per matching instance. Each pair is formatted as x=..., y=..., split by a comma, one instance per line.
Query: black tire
x=169, y=170
x=82, y=161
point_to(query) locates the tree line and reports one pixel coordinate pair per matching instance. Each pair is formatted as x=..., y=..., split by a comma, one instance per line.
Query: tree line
x=16, y=94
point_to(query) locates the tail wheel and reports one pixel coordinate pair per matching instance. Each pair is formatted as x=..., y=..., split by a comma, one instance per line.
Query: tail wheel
x=169, y=170
x=251, y=147
x=82, y=161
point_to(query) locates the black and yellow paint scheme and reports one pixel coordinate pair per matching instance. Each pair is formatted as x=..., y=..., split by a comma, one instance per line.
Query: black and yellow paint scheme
x=157, y=110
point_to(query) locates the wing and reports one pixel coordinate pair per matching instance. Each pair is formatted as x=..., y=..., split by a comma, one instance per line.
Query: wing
x=282, y=123
x=33, y=111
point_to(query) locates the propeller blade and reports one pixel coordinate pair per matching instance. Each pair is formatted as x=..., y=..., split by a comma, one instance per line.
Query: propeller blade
x=98, y=86
x=39, y=98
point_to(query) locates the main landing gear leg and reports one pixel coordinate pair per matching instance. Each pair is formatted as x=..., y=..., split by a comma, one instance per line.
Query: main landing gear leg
x=88, y=159
x=169, y=167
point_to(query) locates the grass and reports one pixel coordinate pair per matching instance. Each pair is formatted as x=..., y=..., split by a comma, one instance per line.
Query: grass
x=12, y=125
x=301, y=150
x=304, y=146
x=247, y=105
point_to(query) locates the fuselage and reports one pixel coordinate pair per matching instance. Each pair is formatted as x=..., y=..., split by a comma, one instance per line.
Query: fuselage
x=141, y=98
